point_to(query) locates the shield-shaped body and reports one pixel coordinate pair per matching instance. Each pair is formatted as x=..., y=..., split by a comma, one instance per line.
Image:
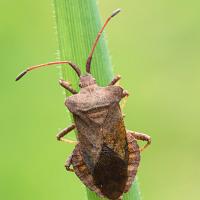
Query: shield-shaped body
x=107, y=156
x=102, y=137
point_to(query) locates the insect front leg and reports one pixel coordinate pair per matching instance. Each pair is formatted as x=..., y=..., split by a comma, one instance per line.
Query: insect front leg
x=68, y=163
x=67, y=86
x=143, y=137
x=115, y=80
x=125, y=95
x=60, y=136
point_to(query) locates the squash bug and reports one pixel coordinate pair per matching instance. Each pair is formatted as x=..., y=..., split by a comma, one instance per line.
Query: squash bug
x=106, y=156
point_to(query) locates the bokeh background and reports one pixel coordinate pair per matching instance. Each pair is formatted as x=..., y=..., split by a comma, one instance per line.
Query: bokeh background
x=155, y=46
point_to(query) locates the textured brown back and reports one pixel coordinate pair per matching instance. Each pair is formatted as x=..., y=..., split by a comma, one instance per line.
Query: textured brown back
x=102, y=137
x=92, y=181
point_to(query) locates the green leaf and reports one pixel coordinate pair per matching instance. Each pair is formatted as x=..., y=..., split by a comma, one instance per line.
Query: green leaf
x=78, y=22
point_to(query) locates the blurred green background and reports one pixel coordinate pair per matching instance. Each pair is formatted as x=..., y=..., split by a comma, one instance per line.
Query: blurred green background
x=155, y=46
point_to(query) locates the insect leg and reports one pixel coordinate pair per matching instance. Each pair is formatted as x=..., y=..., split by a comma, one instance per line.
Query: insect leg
x=68, y=163
x=143, y=137
x=67, y=86
x=125, y=93
x=115, y=80
x=65, y=132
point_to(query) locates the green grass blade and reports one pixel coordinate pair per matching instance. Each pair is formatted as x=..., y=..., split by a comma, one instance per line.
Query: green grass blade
x=78, y=22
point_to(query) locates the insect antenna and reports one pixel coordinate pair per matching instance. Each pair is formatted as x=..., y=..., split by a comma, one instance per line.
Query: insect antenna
x=75, y=67
x=88, y=63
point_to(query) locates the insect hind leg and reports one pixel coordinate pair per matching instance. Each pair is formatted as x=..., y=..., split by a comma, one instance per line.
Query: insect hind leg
x=68, y=163
x=143, y=137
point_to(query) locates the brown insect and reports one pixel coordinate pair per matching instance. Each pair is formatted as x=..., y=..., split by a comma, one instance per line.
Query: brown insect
x=106, y=156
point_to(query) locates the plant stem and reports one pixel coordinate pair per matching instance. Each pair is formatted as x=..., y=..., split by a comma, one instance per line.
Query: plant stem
x=78, y=22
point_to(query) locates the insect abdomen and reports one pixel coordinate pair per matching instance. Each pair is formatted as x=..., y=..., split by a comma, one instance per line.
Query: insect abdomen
x=110, y=173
